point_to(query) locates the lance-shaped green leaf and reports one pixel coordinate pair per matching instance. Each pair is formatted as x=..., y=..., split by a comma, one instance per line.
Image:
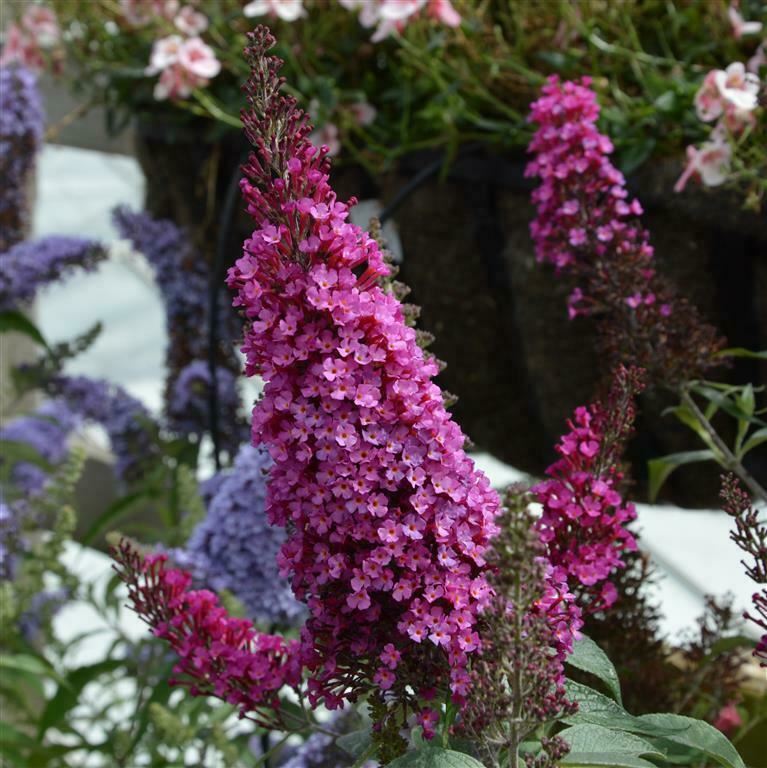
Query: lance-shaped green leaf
x=435, y=757
x=697, y=734
x=589, y=657
x=660, y=469
x=598, y=739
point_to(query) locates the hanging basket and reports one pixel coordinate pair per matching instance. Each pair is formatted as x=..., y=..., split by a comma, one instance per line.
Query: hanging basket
x=517, y=364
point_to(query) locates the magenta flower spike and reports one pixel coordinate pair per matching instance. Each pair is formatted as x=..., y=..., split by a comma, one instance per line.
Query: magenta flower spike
x=388, y=518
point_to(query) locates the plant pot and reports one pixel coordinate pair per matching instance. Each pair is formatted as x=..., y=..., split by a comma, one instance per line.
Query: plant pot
x=517, y=364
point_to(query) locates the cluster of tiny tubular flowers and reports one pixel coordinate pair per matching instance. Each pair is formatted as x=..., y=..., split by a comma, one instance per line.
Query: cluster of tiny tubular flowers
x=388, y=518
x=219, y=655
x=750, y=534
x=584, y=518
x=529, y=631
x=586, y=226
x=22, y=121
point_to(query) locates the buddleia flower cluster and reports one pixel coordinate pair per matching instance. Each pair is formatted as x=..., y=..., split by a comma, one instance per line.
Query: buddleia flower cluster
x=21, y=132
x=129, y=425
x=519, y=681
x=29, y=266
x=33, y=531
x=46, y=431
x=387, y=519
x=584, y=518
x=218, y=654
x=188, y=405
x=587, y=227
x=235, y=548
x=750, y=535
x=183, y=277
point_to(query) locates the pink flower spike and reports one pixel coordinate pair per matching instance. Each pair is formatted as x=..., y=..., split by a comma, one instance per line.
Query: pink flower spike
x=329, y=340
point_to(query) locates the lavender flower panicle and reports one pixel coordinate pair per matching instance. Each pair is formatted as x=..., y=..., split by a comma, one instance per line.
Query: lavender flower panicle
x=9, y=535
x=235, y=548
x=30, y=265
x=320, y=749
x=46, y=431
x=42, y=608
x=188, y=405
x=127, y=421
x=183, y=276
x=21, y=131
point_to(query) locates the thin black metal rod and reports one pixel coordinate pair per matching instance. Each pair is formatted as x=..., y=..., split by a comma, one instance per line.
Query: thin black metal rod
x=404, y=192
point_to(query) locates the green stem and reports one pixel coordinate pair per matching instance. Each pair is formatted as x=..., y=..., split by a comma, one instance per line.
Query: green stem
x=728, y=459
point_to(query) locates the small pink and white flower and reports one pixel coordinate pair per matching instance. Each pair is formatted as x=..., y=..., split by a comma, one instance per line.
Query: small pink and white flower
x=740, y=27
x=141, y=12
x=442, y=10
x=728, y=720
x=364, y=113
x=199, y=59
x=392, y=16
x=20, y=49
x=191, y=22
x=183, y=65
x=172, y=84
x=164, y=54
x=758, y=60
x=731, y=94
x=738, y=87
x=708, y=101
x=287, y=10
x=710, y=163
x=327, y=136
x=42, y=25
x=398, y=10
x=24, y=43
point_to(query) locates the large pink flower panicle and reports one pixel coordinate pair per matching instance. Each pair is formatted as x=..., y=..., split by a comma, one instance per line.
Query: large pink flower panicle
x=218, y=655
x=584, y=518
x=388, y=520
x=588, y=228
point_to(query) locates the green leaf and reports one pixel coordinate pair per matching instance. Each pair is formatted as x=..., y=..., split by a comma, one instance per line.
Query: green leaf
x=356, y=742
x=31, y=665
x=435, y=757
x=68, y=694
x=589, y=738
x=660, y=469
x=729, y=402
x=20, y=323
x=666, y=101
x=742, y=352
x=589, y=657
x=689, y=419
x=754, y=439
x=595, y=708
x=605, y=759
x=746, y=401
x=696, y=734
x=725, y=644
x=632, y=155
x=114, y=512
